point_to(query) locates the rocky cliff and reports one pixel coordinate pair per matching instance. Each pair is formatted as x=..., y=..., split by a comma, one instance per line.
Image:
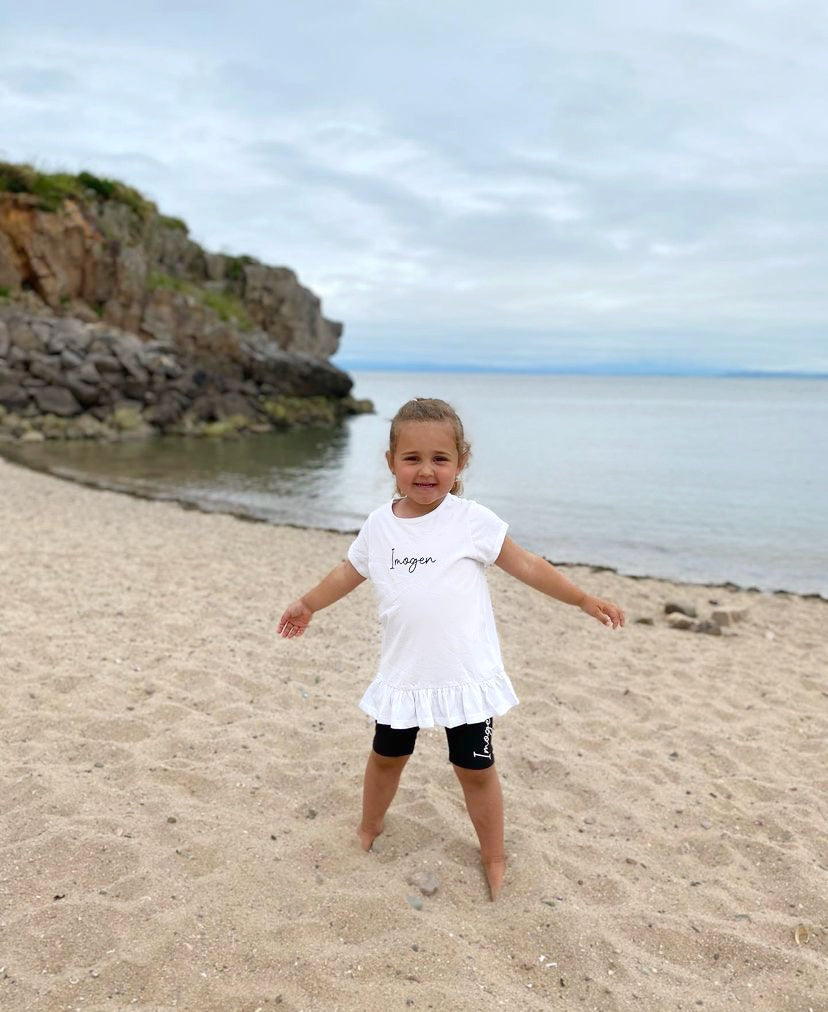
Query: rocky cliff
x=113, y=320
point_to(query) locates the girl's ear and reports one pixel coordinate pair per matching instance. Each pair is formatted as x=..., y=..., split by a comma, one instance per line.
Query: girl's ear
x=389, y=460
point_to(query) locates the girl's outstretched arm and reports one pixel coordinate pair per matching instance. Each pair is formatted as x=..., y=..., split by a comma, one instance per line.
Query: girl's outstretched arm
x=341, y=580
x=542, y=575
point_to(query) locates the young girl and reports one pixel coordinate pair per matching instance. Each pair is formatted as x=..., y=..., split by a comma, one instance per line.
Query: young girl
x=440, y=664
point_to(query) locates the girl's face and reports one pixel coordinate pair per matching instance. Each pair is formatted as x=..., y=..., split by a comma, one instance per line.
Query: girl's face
x=425, y=463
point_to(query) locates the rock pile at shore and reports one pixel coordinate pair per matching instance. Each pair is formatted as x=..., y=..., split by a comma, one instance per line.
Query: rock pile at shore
x=63, y=378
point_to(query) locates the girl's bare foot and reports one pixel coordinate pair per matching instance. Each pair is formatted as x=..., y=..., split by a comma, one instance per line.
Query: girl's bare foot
x=367, y=837
x=495, y=869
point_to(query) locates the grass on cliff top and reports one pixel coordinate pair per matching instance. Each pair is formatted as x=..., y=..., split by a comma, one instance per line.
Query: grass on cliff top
x=52, y=188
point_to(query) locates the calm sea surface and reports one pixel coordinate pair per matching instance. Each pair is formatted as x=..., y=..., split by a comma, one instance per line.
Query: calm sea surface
x=694, y=479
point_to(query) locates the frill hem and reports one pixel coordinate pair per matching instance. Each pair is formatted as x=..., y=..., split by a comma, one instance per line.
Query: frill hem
x=468, y=703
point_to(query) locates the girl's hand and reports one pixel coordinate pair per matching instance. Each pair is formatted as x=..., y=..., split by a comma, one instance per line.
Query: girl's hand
x=605, y=612
x=295, y=620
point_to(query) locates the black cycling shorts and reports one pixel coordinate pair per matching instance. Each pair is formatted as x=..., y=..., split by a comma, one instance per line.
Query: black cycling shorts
x=470, y=745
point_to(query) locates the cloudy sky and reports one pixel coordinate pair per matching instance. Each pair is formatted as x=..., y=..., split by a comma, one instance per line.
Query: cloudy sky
x=537, y=183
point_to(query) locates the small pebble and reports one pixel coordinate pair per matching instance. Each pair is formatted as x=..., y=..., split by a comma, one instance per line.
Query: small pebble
x=680, y=607
x=414, y=901
x=727, y=616
x=426, y=881
x=709, y=628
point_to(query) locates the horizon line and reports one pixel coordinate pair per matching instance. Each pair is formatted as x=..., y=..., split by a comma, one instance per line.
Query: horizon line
x=710, y=372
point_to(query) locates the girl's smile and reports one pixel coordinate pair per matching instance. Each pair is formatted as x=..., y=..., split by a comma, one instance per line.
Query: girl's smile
x=425, y=463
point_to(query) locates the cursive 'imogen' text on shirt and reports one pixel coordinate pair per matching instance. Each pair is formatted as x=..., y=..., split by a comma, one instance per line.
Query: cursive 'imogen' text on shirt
x=410, y=563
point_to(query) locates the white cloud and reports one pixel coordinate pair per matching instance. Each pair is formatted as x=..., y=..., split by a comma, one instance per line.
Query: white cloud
x=653, y=169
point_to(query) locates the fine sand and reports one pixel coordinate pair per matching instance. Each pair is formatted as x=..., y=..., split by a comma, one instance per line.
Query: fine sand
x=181, y=788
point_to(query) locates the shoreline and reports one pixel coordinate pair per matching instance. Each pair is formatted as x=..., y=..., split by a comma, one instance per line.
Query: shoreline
x=183, y=787
x=11, y=457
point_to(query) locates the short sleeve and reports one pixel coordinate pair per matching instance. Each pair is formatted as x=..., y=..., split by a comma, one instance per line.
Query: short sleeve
x=487, y=532
x=358, y=551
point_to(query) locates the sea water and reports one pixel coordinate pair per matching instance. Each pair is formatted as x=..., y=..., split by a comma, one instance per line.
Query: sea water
x=696, y=479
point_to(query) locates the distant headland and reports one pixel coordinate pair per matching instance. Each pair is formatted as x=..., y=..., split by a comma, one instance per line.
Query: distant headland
x=114, y=323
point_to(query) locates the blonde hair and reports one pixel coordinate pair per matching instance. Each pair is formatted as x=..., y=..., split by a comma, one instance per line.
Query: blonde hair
x=432, y=409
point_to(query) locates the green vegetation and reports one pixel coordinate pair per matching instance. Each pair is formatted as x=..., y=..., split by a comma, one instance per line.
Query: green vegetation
x=176, y=223
x=357, y=406
x=227, y=307
x=103, y=187
x=127, y=419
x=227, y=428
x=173, y=284
x=5, y=292
x=285, y=412
x=235, y=266
x=13, y=178
x=52, y=188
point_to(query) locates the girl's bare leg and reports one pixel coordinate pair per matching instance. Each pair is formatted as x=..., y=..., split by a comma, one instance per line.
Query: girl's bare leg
x=382, y=777
x=484, y=802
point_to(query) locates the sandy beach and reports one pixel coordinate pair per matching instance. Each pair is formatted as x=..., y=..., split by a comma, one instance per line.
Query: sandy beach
x=181, y=788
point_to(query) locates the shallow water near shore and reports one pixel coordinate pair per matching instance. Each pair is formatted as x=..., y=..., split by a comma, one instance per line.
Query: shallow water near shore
x=691, y=479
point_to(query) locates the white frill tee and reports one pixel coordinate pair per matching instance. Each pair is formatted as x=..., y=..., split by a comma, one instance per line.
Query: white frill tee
x=440, y=662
